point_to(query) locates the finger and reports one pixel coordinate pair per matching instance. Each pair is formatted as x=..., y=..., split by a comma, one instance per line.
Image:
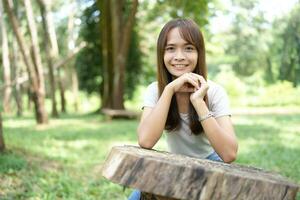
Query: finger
x=200, y=78
x=193, y=82
x=186, y=89
x=194, y=78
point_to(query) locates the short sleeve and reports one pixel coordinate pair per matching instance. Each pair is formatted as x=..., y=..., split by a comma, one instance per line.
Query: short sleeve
x=150, y=95
x=219, y=101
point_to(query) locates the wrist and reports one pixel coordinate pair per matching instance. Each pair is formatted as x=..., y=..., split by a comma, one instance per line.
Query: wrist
x=169, y=89
x=205, y=117
x=200, y=107
x=198, y=102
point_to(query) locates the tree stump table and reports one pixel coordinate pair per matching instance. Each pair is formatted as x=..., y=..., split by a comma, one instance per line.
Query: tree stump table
x=113, y=114
x=167, y=176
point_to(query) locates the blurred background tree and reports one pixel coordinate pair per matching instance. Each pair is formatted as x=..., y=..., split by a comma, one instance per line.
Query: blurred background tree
x=290, y=50
x=254, y=52
x=89, y=60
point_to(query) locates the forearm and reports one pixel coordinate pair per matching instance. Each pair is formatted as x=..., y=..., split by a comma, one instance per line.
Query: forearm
x=151, y=128
x=222, y=141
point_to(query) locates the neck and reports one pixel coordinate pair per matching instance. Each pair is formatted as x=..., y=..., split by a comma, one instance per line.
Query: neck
x=183, y=100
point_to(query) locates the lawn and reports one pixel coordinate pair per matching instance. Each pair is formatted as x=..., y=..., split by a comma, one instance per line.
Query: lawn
x=63, y=160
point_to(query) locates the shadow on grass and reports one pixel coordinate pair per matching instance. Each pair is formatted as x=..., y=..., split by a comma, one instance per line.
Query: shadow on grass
x=11, y=162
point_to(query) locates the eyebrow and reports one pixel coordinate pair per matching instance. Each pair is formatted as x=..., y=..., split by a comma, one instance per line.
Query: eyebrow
x=172, y=44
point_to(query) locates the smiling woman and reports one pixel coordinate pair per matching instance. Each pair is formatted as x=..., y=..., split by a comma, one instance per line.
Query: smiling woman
x=194, y=111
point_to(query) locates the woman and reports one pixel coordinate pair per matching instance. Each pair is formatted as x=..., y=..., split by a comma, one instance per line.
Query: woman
x=194, y=112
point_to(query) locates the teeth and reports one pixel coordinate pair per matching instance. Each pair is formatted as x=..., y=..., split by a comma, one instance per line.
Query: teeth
x=180, y=65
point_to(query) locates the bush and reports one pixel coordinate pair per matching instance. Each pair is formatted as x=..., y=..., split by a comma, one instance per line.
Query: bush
x=278, y=94
x=252, y=90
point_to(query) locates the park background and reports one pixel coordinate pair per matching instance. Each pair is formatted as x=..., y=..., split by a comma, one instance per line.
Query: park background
x=62, y=62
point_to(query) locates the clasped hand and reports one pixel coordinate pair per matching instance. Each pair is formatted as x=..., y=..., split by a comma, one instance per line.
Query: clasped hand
x=190, y=83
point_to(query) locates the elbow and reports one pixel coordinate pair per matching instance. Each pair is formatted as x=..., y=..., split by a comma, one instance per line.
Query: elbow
x=230, y=156
x=142, y=141
x=145, y=144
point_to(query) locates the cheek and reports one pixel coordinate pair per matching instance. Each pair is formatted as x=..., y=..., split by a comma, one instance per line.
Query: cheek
x=167, y=57
x=195, y=58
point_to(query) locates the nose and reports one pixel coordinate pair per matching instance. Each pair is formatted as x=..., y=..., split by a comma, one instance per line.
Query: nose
x=179, y=56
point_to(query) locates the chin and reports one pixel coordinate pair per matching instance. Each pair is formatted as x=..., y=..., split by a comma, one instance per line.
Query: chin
x=177, y=74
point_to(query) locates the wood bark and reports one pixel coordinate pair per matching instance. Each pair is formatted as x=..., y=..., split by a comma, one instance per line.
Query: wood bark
x=5, y=63
x=39, y=98
x=51, y=47
x=124, y=42
x=16, y=71
x=61, y=85
x=36, y=55
x=116, y=31
x=106, y=32
x=171, y=176
x=72, y=69
x=2, y=144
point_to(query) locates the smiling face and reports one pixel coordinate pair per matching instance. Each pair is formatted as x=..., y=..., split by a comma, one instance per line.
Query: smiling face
x=180, y=49
x=179, y=56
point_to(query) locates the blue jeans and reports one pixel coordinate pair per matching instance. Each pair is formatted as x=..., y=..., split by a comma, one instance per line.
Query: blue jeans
x=136, y=194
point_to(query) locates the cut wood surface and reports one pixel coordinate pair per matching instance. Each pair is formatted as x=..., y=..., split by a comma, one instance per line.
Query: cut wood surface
x=171, y=176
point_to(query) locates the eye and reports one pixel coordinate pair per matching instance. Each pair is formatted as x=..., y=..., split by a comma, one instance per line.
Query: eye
x=169, y=48
x=190, y=48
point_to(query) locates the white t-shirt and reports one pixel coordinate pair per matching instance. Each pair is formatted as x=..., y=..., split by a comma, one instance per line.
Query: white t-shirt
x=182, y=141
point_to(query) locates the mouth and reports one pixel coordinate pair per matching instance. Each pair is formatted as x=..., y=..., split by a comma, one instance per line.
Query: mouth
x=180, y=66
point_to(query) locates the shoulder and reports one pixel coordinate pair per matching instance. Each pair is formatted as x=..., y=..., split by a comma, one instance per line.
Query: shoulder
x=153, y=87
x=151, y=95
x=217, y=95
x=214, y=89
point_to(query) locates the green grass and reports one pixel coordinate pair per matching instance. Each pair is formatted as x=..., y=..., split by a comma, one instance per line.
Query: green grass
x=62, y=160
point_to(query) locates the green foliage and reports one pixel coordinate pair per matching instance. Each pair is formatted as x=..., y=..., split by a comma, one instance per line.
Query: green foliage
x=233, y=85
x=253, y=90
x=65, y=157
x=278, y=94
x=89, y=60
x=248, y=39
x=133, y=66
x=290, y=55
x=196, y=10
x=10, y=162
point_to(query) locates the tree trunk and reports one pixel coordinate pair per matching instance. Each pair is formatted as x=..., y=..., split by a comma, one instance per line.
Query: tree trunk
x=6, y=64
x=72, y=70
x=106, y=33
x=51, y=47
x=116, y=32
x=269, y=72
x=41, y=115
x=122, y=54
x=61, y=86
x=75, y=87
x=36, y=57
x=171, y=176
x=2, y=144
x=15, y=65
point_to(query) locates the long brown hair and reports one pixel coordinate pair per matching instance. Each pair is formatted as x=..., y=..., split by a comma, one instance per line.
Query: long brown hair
x=190, y=32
